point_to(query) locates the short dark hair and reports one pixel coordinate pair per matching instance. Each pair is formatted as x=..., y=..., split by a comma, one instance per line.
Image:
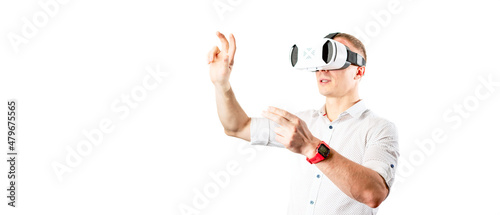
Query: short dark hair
x=355, y=42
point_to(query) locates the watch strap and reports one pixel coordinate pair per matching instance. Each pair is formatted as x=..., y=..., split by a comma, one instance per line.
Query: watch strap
x=318, y=157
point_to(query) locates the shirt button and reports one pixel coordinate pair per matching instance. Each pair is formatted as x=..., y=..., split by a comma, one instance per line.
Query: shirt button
x=317, y=176
x=330, y=127
x=311, y=202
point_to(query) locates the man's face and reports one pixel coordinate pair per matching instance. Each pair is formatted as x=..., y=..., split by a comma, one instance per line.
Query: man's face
x=340, y=82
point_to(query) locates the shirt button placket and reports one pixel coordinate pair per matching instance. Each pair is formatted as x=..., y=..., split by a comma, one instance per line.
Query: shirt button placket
x=314, y=192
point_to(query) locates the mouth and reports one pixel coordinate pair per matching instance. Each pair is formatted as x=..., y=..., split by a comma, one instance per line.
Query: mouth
x=324, y=81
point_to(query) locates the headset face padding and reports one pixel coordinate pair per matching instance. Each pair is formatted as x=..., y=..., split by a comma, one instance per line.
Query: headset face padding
x=327, y=51
x=294, y=55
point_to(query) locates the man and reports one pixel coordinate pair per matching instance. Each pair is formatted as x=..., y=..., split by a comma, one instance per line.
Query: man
x=353, y=152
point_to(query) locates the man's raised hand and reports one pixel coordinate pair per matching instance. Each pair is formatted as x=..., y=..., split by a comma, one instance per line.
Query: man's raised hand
x=221, y=61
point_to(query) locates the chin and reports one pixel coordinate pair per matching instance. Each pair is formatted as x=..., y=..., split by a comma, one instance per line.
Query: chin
x=328, y=92
x=324, y=92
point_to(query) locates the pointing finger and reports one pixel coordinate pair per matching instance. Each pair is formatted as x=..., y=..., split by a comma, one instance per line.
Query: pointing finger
x=276, y=118
x=223, y=40
x=285, y=114
x=232, y=49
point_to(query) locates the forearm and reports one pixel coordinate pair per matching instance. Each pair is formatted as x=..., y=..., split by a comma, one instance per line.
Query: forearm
x=358, y=182
x=231, y=115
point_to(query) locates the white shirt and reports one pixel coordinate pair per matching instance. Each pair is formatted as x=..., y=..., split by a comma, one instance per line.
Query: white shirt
x=358, y=134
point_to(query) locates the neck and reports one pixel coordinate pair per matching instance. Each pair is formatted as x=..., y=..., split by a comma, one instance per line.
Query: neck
x=336, y=105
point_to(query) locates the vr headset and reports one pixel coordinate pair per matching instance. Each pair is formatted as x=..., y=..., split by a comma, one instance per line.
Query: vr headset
x=325, y=54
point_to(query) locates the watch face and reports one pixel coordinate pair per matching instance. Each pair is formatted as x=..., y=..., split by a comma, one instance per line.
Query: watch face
x=323, y=150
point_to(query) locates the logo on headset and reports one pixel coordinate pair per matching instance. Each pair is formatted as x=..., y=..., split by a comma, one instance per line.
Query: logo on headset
x=309, y=53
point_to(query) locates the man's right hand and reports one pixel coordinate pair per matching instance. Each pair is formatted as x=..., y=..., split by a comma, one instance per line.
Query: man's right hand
x=221, y=61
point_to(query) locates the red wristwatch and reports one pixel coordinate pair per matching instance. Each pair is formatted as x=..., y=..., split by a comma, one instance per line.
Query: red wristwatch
x=322, y=152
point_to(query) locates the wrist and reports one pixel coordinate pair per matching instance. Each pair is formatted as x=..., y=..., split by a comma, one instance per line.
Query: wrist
x=311, y=149
x=224, y=87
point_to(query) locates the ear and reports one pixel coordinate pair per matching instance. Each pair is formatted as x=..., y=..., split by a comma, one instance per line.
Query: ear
x=360, y=72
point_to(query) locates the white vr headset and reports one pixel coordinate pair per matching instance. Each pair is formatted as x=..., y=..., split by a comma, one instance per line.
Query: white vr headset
x=325, y=54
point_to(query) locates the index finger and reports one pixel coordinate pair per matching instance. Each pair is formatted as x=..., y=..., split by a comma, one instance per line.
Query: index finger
x=285, y=114
x=232, y=49
x=223, y=41
x=276, y=118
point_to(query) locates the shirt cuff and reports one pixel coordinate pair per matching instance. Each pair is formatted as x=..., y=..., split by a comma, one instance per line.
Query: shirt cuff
x=262, y=132
x=383, y=169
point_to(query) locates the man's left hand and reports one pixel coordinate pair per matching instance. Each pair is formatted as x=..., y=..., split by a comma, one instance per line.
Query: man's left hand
x=293, y=132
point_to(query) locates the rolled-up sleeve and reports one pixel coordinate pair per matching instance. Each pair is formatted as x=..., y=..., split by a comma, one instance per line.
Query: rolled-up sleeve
x=382, y=152
x=262, y=132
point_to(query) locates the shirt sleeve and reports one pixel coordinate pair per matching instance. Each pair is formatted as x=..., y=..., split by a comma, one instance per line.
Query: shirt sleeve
x=382, y=152
x=262, y=132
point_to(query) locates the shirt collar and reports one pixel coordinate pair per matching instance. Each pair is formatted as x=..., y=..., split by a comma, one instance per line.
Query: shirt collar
x=355, y=111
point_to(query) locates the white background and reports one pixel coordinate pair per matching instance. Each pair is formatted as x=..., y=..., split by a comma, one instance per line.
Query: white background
x=422, y=61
